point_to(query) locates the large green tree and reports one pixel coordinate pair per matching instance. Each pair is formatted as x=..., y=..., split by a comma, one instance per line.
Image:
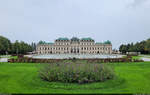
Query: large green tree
x=21, y=47
x=143, y=47
x=147, y=46
x=14, y=48
x=33, y=45
x=123, y=48
x=5, y=45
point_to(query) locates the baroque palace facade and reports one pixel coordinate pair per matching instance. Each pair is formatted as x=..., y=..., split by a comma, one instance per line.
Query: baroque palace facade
x=74, y=46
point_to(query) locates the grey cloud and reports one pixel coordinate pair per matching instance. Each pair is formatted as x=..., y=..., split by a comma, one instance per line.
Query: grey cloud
x=34, y=20
x=136, y=3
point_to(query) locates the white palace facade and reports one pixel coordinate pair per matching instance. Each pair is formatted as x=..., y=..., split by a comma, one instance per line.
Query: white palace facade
x=74, y=46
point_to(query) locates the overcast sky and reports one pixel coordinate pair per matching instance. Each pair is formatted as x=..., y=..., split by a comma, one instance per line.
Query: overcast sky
x=120, y=21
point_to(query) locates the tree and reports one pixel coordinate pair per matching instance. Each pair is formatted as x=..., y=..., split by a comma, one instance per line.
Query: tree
x=147, y=46
x=143, y=47
x=33, y=45
x=131, y=48
x=21, y=47
x=123, y=48
x=5, y=45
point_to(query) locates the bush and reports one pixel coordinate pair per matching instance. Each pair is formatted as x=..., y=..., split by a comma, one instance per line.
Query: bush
x=76, y=73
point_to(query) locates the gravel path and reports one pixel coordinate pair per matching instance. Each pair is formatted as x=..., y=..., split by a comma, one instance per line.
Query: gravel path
x=145, y=59
x=3, y=59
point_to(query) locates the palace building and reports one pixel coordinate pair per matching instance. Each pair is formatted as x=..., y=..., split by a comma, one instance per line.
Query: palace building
x=74, y=46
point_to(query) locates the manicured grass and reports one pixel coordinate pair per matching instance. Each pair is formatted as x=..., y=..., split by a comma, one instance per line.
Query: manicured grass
x=7, y=56
x=13, y=57
x=136, y=57
x=23, y=78
x=140, y=56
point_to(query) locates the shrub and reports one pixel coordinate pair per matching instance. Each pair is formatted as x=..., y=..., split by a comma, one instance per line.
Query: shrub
x=76, y=72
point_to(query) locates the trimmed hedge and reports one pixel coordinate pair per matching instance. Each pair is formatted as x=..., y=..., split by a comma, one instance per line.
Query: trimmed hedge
x=106, y=60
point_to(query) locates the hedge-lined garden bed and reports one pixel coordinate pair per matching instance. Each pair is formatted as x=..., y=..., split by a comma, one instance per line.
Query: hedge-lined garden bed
x=76, y=72
x=100, y=60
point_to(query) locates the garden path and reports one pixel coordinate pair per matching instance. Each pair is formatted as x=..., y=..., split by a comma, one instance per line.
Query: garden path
x=3, y=59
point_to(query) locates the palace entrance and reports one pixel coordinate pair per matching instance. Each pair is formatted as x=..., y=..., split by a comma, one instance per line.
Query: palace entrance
x=75, y=50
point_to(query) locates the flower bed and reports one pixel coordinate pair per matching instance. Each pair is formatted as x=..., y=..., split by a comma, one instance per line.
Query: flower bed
x=76, y=72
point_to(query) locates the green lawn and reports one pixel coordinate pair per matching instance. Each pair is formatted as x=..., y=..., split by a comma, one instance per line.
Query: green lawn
x=23, y=78
x=7, y=56
x=136, y=57
x=13, y=57
x=140, y=56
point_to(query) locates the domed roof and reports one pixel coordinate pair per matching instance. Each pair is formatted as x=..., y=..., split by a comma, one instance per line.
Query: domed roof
x=107, y=42
x=75, y=39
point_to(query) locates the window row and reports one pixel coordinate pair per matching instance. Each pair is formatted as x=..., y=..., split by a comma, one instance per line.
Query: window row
x=47, y=48
x=94, y=48
x=82, y=48
x=69, y=44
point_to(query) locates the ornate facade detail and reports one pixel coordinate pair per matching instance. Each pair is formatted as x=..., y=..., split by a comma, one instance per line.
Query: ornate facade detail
x=74, y=46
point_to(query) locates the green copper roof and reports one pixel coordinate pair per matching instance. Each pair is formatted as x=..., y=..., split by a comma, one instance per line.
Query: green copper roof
x=87, y=39
x=50, y=43
x=107, y=42
x=63, y=39
x=44, y=43
x=74, y=39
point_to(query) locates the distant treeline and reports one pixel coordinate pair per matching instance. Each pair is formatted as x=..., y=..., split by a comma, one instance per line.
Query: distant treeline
x=6, y=47
x=143, y=47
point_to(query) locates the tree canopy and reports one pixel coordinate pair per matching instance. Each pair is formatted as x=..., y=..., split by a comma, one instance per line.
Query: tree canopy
x=15, y=48
x=5, y=45
x=143, y=47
